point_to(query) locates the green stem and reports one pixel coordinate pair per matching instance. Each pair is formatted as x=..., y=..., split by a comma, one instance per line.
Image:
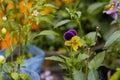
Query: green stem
x=97, y=30
x=19, y=32
x=87, y=61
x=79, y=24
x=72, y=61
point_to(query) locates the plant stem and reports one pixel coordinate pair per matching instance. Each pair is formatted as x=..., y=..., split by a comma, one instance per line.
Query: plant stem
x=97, y=30
x=19, y=49
x=79, y=24
x=19, y=32
x=88, y=52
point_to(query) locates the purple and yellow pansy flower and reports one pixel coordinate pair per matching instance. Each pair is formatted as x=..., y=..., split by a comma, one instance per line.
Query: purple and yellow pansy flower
x=71, y=39
x=112, y=10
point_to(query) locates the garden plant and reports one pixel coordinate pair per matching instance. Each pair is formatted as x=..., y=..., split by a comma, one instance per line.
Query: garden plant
x=86, y=32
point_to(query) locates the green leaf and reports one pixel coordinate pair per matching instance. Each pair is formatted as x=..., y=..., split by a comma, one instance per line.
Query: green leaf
x=20, y=60
x=50, y=5
x=92, y=35
x=46, y=19
x=15, y=76
x=55, y=58
x=115, y=76
x=66, y=78
x=7, y=52
x=61, y=23
x=114, y=37
x=24, y=76
x=93, y=75
x=78, y=75
x=82, y=57
x=63, y=66
x=45, y=32
x=1, y=76
x=95, y=8
x=96, y=61
x=78, y=14
x=10, y=49
x=48, y=32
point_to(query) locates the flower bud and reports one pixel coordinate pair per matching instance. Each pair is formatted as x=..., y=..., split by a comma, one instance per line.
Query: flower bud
x=4, y=18
x=3, y=31
x=2, y=59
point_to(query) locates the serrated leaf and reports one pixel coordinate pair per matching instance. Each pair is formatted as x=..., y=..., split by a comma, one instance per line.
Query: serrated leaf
x=92, y=35
x=78, y=75
x=61, y=23
x=82, y=57
x=96, y=61
x=114, y=37
x=55, y=58
x=93, y=75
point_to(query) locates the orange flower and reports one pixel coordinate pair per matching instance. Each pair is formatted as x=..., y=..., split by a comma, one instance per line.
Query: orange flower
x=67, y=1
x=24, y=8
x=1, y=14
x=24, y=22
x=7, y=43
x=48, y=0
x=35, y=26
x=58, y=2
x=47, y=10
x=10, y=5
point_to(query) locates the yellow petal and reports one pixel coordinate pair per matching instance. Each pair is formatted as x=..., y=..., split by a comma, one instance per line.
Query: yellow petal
x=75, y=38
x=80, y=44
x=68, y=43
x=75, y=47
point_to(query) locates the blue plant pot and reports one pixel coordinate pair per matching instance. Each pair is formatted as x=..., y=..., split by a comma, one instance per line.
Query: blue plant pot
x=32, y=65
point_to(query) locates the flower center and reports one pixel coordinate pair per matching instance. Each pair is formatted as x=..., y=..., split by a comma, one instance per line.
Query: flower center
x=112, y=6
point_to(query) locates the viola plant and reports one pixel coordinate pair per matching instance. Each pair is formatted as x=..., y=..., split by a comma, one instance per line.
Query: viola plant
x=110, y=45
x=71, y=39
x=112, y=10
x=77, y=63
x=64, y=23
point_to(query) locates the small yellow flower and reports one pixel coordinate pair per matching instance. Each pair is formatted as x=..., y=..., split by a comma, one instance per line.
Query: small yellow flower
x=74, y=42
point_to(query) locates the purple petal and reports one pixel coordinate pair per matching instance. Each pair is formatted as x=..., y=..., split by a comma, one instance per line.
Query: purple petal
x=73, y=31
x=109, y=11
x=115, y=7
x=114, y=16
x=69, y=34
